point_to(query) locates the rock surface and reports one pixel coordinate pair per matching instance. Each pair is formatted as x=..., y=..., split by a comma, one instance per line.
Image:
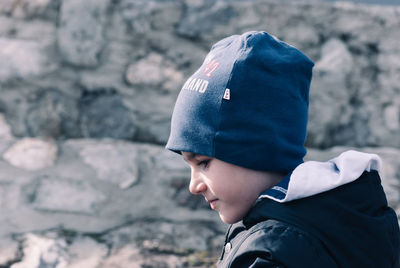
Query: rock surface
x=22, y=59
x=31, y=154
x=81, y=31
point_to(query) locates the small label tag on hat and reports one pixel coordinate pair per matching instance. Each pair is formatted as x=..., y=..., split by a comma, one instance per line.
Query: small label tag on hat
x=227, y=94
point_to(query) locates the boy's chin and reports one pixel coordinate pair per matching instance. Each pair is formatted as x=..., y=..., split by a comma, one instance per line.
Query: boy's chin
x=229, y=219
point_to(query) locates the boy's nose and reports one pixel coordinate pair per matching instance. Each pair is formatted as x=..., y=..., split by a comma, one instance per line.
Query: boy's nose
x=197, y=186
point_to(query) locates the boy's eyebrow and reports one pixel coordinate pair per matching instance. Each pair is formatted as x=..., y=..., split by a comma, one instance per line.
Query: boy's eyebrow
x=189, y=156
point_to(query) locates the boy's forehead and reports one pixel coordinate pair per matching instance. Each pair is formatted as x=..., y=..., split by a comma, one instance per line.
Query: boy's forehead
x=188, y=155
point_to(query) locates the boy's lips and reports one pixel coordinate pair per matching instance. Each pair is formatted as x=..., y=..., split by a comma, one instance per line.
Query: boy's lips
x=212, y=203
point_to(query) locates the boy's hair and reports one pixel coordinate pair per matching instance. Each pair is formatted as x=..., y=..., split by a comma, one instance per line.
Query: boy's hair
x=246, y=105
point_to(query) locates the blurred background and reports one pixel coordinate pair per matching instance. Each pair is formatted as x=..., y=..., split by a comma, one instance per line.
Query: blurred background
x=87, y=91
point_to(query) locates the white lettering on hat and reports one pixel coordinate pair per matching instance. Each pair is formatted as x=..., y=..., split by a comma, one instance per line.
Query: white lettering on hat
x=191, y=84
x=196, y=84
x=186, y=85
x=204, y=86
x=227, y=94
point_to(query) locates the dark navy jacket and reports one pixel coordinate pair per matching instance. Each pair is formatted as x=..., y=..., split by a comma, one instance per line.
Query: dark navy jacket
x=348, y=226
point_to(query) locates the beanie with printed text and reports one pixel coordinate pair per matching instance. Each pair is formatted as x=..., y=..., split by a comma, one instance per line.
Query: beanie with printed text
x=246, y=105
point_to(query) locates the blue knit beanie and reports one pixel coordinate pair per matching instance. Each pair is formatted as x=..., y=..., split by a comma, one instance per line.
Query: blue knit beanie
x=247, y=104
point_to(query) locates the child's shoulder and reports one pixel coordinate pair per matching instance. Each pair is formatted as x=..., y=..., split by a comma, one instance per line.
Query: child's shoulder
x=275, y=243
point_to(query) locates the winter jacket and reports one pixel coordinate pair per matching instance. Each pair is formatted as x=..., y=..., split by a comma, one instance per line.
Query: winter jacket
x=349, y=225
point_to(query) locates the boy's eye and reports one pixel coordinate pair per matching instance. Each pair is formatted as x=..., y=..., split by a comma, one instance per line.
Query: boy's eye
x=204, y=163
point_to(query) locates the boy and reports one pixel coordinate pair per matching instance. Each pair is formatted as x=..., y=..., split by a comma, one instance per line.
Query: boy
x=240, y=123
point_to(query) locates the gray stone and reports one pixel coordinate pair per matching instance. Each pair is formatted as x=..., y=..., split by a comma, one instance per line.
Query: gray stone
x=85, y=252
x=302, y=34
x=153, y=71
x=68, y=196
x=184, y=198
x=6, y=6
x=166, y=15
x=52, y=114
x=6, y=137
x=116, y=56
x=15, y=106
x=27, y=9
x=7, y=25
x=175, y=165
x=31, y=154
x=5, y=130
x=10, y=195
x=35, y=30
x=329, y=95
x=22, y=59
x=202, y=17
x=384, y=119
x=335, y=59
x=115, y=164
x=353, y=22
x=152, y=118
x=246, y=15
x=171, y=161
x=161, y=236
x=146, y=71
x=184, y=54
x=146, y=243
x=8, y=251
x=392, y=117
x=103, y=114
x=131, y=256
x=42, y=252
x=80, y=34
x=136, y=14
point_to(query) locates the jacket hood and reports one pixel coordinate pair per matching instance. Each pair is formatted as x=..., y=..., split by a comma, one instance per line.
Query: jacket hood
x=314, y=177
x=342, y=203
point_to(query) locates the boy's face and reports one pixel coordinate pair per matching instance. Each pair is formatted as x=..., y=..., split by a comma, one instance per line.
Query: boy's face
x=229, y=189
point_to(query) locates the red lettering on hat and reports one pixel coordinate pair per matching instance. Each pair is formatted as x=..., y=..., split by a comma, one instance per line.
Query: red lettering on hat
x=210, y=67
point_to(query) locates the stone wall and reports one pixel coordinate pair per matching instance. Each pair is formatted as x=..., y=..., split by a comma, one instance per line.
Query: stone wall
x=87, y=90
